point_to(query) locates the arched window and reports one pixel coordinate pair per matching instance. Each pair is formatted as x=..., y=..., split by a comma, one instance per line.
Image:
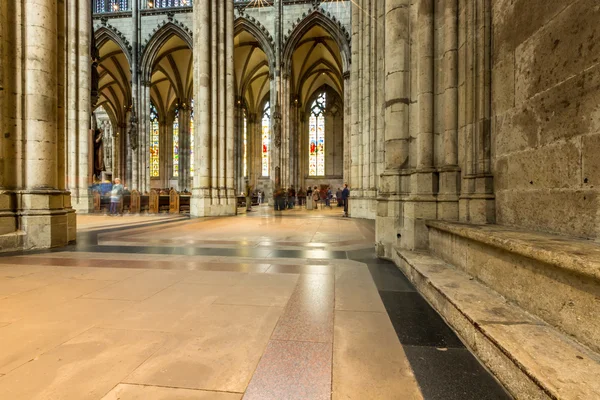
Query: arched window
x=154, y=143
x=266, y=139
x=316, y=137
x=245, y=145
x=192, y=139
x=176, y=144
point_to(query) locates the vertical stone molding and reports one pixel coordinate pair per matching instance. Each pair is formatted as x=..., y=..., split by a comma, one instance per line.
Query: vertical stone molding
x=366, y=109
x=213, y=190
x=44, y=142
x=477, y=204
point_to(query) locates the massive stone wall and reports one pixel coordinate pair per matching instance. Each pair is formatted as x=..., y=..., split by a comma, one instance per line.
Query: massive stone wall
x=546, y=115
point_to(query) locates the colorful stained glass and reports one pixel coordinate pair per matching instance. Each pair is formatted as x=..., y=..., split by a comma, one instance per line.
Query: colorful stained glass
x=316, y=137
x=266, y=139
x=176, y=144
x=192, y=140
x=154, y=143
x=245, y=145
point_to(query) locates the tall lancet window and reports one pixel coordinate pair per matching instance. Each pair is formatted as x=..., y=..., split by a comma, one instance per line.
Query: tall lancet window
x=154, y=143
x=192, y=139
x=245, y=122
x=316, y=137
x=176, y=144
x=266, y=139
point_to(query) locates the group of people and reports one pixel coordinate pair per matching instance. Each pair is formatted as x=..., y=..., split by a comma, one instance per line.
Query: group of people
x=311, y=198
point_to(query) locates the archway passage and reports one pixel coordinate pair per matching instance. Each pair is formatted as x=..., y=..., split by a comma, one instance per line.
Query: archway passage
x=114, y=101
x=169, y=106
x=316, y=85
x=252, y=86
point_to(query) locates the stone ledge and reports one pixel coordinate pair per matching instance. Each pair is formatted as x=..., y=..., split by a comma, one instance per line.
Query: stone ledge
x=576, y=255
x=532, y=359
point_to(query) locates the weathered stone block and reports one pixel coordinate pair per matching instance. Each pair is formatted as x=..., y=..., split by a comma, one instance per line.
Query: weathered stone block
x=552, y=167
x=564, y=47
x=570, y=212
x=591, y=160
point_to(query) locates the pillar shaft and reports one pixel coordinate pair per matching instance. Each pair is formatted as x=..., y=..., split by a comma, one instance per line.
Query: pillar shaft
x=451, y=83
x=425, y=83
x=40, y=92
x=213, y=190
x=397, y=95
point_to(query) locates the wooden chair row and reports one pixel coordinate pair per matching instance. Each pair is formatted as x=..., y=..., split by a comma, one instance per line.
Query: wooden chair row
x=153, y=203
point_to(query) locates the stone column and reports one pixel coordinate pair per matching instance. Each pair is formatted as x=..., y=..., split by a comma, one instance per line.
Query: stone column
x=449, y=171
x=238, y=152
x=389, y=219
x=134, y=132
x=9, y=67
x=184, y=145
x=353, y=179
x=231, y=202
x=476, y=202
x=213, y=191
x=40, y=204
x=251, y=145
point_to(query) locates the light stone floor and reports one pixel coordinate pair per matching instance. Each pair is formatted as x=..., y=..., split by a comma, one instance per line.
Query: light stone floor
x=274, y=313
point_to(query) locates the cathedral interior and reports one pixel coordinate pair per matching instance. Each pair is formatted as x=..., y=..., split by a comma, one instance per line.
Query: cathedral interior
x=300, y=199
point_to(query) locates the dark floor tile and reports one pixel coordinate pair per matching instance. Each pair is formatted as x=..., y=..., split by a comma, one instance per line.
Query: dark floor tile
x=416, y=323
x=310, y=254
x=453, y=374
x=363, y=254
x=388, y=277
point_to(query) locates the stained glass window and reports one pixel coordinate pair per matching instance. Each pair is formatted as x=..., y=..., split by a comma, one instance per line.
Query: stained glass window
x=245, y=145
x=316, y=137
x=266, y=139
x=176, y=144
x=154, y=143
x=192, y=140
x=100, y=6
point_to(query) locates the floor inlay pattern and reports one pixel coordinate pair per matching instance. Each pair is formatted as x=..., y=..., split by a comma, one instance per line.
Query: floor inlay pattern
x=256, y=306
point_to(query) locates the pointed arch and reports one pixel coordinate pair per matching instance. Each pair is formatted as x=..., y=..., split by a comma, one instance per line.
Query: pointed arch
x=317, y=18
x=106, y=33
x=156, y=42
x=265, y=42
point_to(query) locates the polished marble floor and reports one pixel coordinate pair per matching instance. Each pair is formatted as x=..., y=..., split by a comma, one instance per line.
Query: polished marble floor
x=264, y=305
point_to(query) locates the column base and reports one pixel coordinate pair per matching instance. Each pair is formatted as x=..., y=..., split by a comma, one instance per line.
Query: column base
x=477, y=204
x=202, y=204
x=39, y=219
x=363, y=204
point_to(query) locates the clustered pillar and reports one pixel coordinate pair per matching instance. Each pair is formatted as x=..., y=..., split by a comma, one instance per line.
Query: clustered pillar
x=428, y=111
x=366, y=117
x=213, y=190
x=45, y=120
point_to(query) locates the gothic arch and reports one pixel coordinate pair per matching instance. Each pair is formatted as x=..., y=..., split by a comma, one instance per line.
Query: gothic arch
x=260, y=33
x=318, y=18
x=156, y=41
x=108, y=32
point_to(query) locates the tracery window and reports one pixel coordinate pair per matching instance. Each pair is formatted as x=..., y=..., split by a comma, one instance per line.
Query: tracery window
x=266, y=139
x=316, y=137
x=169, y=3
x=192, y=139
x=245, y=145
x=176, y=144
x=154, y=143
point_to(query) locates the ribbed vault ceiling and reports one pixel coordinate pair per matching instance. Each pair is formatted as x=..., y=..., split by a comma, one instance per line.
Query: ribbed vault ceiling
x=316, y=61
x=251, y=70
x=172, y=74
x=114, y=80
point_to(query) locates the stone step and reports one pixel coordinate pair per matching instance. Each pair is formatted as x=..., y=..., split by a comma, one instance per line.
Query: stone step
x=531, y=358
x=556, y=278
